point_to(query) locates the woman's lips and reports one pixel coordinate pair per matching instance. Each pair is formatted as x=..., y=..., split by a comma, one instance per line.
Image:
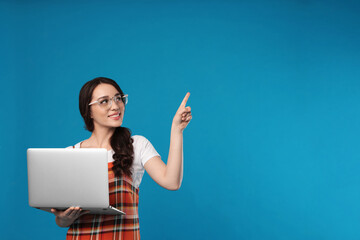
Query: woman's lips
x=115, y=117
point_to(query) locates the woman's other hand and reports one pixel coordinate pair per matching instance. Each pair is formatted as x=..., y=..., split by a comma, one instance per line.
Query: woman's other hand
x=183, y=115
x=67, y=217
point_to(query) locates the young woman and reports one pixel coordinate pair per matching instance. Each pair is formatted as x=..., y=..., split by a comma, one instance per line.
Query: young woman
x=102, y=105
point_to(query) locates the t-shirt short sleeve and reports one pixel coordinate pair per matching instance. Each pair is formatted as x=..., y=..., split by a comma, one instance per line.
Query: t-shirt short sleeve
x=146, y=149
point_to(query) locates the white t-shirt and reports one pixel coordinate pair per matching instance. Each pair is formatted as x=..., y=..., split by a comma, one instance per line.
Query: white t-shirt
x=143, y=151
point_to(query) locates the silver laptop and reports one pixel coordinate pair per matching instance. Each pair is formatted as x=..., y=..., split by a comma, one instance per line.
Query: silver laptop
x=60, y=178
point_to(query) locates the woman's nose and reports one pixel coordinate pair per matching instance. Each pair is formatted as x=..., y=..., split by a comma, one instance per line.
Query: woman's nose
x=115, y=105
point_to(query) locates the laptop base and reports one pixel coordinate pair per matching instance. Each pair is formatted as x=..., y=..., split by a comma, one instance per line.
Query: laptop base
x=106, y=211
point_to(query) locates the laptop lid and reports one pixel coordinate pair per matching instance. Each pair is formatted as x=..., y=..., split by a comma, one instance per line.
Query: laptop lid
x=60, y=178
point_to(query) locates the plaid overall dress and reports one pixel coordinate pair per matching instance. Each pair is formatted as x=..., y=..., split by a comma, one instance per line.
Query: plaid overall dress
x=124, y=196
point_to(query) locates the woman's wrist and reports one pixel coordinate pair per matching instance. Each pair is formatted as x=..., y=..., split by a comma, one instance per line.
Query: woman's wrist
x=176, y=129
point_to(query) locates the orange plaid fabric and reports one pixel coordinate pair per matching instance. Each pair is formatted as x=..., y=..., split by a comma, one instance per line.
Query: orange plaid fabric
x=124, y=196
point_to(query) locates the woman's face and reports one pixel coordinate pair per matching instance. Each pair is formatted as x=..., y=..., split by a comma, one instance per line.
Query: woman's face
x=104, y=115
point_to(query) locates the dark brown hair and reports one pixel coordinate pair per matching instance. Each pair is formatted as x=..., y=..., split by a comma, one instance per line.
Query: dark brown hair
x=120, y=141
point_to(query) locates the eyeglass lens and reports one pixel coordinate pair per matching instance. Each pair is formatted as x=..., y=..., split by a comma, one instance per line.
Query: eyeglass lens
x=106, y=103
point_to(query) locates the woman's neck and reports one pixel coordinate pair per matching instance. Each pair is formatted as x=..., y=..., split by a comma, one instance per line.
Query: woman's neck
x=100, y=138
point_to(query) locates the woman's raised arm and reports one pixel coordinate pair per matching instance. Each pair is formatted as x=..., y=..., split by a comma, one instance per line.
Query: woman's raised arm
x=170, y=175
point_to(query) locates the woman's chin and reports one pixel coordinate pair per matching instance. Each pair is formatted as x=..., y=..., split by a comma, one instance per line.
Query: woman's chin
x=116, y=124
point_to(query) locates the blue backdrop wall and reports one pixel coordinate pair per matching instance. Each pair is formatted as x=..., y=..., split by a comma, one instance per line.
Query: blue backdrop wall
x=272, y=151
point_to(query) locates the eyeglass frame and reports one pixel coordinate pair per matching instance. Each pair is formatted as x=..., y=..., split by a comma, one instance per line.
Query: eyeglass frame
x=112, y=99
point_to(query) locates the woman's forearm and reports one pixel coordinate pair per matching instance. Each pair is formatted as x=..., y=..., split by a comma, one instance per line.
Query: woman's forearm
x=174, y=166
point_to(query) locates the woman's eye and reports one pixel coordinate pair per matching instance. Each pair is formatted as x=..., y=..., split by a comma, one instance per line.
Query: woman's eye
x=104, y=101
x=118, y=99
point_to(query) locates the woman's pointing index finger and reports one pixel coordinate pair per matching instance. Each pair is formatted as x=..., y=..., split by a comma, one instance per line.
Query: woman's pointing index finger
x=183, y=103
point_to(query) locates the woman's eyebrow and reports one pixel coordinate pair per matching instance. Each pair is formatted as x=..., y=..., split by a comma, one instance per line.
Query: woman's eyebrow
x=108, y=96
x=103, y=97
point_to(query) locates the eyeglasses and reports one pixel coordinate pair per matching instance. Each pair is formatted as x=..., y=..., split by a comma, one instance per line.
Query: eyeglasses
x=106, y=103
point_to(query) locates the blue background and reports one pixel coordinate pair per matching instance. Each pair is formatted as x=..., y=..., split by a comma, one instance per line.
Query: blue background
x=272, y=151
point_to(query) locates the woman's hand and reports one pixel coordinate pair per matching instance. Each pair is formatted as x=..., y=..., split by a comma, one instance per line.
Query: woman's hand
x=67, y=217
x=183, y=115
